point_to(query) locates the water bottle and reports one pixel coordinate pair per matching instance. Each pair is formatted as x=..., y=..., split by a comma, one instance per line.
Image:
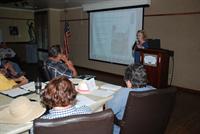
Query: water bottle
x=38, y=86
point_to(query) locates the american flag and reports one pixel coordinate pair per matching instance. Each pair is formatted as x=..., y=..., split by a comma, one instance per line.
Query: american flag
x=67, y=34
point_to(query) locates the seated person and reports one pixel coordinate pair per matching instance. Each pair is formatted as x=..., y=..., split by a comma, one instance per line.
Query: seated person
x=6, y=52
x=7, y=83
x=58, y=64
x=59, y=96
x=12, y=68
x=136, y=80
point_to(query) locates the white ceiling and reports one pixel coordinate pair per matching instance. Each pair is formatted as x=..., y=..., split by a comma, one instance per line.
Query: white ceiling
x=40, y=4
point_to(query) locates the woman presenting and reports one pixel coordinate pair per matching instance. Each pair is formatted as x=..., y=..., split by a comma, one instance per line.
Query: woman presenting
x=140, y=43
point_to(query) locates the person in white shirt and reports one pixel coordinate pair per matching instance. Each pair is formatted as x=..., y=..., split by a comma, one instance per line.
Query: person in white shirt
x=6, y=52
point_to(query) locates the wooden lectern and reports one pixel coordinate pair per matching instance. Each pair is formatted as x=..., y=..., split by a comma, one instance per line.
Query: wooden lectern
x=156, y=63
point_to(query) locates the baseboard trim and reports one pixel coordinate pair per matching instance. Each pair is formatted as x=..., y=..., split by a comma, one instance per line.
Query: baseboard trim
x=188, y=90
x=91, y=69
x=182, y=89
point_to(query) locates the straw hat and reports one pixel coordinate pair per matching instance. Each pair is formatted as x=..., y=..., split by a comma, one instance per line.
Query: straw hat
x=21, y=110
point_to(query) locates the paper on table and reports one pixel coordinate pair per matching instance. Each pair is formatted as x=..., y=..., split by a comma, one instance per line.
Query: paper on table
x=102, y=93
x=111, y=87
x=43, y=85
x=83, y=100
x=31, y=86
x=15, y=92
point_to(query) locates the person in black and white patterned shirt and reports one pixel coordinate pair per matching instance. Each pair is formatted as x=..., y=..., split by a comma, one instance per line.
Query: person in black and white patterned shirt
x=58, y=64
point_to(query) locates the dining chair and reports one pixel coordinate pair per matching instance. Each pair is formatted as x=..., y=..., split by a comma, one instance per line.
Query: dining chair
x=95, y=123
x=147, y=112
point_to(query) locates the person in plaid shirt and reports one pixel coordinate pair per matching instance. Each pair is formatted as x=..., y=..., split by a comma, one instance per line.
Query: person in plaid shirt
x=58, y=64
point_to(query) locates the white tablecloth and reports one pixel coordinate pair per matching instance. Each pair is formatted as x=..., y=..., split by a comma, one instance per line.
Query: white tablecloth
x=20, y=128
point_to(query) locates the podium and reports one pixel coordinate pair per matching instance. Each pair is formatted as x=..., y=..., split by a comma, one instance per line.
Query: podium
x=156, y=63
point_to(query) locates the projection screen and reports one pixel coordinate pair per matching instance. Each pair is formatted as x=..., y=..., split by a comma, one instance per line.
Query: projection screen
x=112, y=34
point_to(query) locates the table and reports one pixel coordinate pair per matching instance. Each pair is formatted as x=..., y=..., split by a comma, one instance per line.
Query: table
x=20, y=128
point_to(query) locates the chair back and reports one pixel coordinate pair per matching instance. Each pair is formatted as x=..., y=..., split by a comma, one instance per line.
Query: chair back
x=96, y=123
x=148, y=112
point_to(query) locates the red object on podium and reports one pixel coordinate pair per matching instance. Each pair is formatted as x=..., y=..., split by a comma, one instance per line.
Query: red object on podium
x=156, y=63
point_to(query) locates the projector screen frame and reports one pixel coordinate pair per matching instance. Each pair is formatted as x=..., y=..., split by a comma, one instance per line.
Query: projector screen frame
x=109, y=9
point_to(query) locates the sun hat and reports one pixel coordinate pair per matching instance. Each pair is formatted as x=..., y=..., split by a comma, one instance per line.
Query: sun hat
x=83, y=88
x=21, y=110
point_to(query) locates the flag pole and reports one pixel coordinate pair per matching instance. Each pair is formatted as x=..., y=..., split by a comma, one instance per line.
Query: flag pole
x=67, y=35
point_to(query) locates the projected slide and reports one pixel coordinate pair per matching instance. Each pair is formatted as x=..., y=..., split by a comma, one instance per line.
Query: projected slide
x=112, y=34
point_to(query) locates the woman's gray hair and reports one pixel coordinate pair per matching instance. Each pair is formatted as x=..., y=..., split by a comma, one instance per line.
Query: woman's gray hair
x=136, y=74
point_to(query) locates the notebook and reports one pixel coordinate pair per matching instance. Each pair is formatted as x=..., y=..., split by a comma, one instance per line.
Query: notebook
x=15, y=92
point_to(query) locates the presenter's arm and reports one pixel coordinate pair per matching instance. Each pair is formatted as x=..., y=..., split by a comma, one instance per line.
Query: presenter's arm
x=146, y=44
